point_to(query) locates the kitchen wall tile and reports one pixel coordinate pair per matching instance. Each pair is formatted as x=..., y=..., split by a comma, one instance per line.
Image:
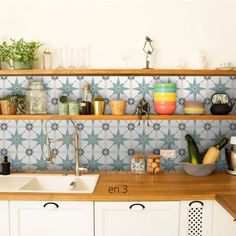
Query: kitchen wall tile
x=106, y=145
x=194, y=88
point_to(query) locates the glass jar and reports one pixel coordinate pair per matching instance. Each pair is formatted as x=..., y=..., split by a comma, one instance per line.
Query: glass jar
x=153, y=164
x=137, y=163
x=47, y=59
x=36, y=98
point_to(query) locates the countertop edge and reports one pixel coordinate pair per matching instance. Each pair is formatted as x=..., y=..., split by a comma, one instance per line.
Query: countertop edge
x=226, y=201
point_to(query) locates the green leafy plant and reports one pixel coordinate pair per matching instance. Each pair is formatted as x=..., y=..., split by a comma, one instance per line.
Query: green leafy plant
x=19, y=98
x=24, y=52
x=5, y=53
x=19, y=51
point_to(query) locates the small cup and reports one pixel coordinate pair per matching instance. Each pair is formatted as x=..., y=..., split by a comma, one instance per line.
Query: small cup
x=73, y=108
x=99, y=107
x=118, y=107
x=63, y=108
x=63, y=104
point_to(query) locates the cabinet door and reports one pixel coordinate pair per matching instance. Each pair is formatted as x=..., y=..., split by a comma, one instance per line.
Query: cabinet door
x=196, y=218
x=51, y=218
x=136, y=218
x=223, y=222
x=4, y=218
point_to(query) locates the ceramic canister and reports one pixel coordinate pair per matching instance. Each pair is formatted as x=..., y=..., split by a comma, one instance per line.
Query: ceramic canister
x=63, y=104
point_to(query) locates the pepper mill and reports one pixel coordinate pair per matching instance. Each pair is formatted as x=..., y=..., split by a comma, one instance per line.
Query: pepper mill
x=6, y=166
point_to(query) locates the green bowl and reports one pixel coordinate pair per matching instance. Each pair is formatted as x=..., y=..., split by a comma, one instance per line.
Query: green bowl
x=167, y=85
x=164, y=90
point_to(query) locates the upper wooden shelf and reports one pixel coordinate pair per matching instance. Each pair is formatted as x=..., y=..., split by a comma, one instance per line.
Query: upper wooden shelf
x=117, y=72
x=120, y=117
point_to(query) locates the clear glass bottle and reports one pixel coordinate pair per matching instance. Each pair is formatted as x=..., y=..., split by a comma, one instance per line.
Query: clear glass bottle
x=36, y=98
x=87, y=99
x=47, y=59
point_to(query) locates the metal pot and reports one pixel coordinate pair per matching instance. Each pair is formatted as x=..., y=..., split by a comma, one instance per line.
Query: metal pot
x=230, y=154
x=230, y=158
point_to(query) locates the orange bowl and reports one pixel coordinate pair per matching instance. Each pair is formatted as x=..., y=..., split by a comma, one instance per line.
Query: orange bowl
x=163, y=109
x=166, y=103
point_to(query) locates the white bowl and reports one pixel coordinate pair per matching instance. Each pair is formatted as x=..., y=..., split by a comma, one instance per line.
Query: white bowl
x=198, y=169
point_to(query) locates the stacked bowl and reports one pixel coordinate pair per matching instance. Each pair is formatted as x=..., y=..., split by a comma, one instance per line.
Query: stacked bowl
x=194, y=108
x=165, y=98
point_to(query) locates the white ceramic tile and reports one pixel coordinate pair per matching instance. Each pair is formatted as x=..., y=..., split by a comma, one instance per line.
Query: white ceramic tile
x=194, y=88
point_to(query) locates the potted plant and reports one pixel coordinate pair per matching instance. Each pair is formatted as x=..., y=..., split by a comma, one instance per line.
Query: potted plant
x=20, y=52
x=5, y=52
x=10, y=103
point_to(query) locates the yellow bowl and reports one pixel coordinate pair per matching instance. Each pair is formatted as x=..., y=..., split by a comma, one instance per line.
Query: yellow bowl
x=165, y=99
x=194, y=109
x=165, y=94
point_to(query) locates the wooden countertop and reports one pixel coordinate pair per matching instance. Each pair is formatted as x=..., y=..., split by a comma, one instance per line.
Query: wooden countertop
x=228, y=202
x=162, y=187
x=125, y=186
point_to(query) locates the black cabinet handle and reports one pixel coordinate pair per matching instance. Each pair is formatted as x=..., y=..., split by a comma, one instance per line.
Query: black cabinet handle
x=137, y=206
x=196, y=202
x=51, y=205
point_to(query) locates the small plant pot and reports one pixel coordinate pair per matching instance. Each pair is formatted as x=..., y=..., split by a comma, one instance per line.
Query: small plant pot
x=17, y=65
x=118, y=107
x=9, y=107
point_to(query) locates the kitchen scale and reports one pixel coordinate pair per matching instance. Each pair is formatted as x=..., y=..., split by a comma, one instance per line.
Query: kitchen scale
x=231, y=172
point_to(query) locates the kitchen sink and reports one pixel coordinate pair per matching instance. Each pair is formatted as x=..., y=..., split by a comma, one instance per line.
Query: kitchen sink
x=49, y=183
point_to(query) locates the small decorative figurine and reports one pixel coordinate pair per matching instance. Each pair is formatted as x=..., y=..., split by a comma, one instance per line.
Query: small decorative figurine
x=148, y=49
x=143, y=109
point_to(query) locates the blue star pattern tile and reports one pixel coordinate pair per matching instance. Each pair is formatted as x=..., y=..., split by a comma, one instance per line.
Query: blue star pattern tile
x=107, y=145
x=194, y=89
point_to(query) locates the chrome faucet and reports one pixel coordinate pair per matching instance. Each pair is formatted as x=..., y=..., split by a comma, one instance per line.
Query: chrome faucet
x=50, y=158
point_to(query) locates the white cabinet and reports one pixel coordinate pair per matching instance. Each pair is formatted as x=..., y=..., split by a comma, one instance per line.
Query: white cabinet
x=224, y=224
x=137, y=218
x=196, y=218
x=30, y=218
x=4, y=218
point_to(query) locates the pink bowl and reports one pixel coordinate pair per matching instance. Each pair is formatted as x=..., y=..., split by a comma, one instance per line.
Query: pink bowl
x=164, y=109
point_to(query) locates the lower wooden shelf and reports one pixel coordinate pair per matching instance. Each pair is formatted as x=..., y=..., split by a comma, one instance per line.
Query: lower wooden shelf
x=118, y=117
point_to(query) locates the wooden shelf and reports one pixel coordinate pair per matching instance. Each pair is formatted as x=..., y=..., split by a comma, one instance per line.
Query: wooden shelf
x=123, y=117
x=125, y=72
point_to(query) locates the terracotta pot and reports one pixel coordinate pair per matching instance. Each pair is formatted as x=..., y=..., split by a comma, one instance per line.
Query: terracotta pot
x=8, y=107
